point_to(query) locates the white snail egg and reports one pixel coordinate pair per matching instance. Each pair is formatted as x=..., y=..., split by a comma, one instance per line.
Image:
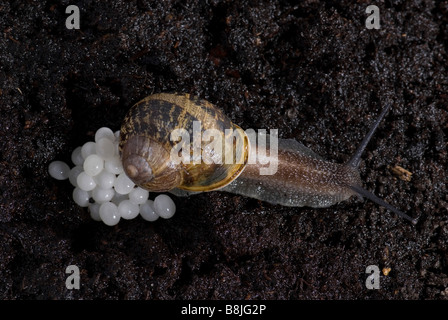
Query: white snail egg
x=74, y=173
x=85, y=182
x=93, y=165
x=123, y=184
x=118, y=198
x=109, y=213
x=147, y=211
x=117, y=135
x=101, y=195
x=105, y=148
x=128, y=210
x=164, y=206
x=87, y=149
x=104, y=132
x=81, y=197
x=138, y=195
x=94, y=209
x=105, y=179
x=77, y=158
x=59, y=170
x=114, y=165
x=117, y=150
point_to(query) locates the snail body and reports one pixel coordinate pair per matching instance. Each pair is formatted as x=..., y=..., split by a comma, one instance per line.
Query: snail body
x=302, y=177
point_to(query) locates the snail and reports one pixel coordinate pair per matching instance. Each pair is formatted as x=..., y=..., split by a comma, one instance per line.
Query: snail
x=302, y=178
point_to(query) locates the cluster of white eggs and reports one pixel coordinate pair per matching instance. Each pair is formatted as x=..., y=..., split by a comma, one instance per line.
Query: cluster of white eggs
x=102, y=186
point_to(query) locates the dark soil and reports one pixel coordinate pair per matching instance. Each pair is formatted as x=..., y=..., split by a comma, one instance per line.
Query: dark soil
x=312, y=70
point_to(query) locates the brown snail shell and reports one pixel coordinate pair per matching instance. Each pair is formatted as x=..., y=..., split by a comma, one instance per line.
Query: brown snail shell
x=145, y=144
